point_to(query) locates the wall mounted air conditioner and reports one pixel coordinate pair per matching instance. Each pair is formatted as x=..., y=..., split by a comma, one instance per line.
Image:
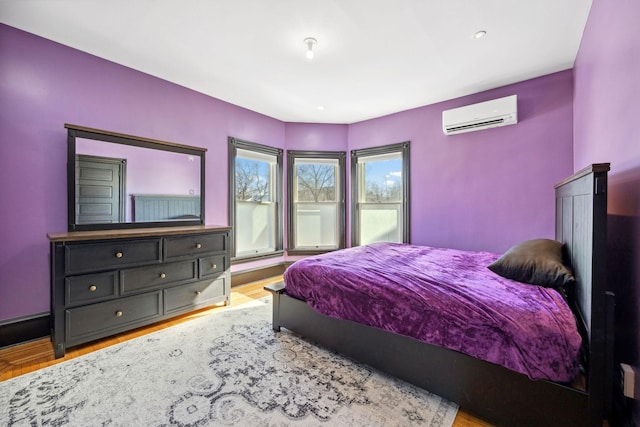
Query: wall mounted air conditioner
x=484, y=115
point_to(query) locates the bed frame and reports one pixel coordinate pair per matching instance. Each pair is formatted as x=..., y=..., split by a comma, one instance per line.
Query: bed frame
x=491, y=392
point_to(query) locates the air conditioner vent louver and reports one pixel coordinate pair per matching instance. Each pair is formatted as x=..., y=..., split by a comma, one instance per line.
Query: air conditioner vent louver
x=475, y=125
x=484, y=115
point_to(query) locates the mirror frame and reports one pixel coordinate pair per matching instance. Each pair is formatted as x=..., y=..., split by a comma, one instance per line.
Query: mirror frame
x=74, y=131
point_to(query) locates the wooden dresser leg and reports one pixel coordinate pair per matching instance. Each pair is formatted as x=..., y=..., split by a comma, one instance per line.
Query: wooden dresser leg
x=59, y=350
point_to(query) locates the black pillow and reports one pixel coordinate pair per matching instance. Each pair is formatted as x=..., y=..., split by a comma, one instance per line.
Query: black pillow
x=538, y=262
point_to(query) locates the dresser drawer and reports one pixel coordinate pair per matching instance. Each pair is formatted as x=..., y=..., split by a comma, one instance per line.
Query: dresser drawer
x=193, y=245
x=213, y=265
x=188, y=297
x=97, y=320
x=87, y=257
x=173, y=273
x=90, y=288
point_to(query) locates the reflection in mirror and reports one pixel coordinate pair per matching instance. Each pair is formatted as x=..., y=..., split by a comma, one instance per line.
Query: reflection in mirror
x=123, y=181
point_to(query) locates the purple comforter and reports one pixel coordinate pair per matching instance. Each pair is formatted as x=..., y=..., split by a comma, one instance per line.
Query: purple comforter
x=444, y=297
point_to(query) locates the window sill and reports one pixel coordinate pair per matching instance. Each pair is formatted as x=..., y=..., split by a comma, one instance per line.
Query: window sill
x=256, y=257
x=310, y=251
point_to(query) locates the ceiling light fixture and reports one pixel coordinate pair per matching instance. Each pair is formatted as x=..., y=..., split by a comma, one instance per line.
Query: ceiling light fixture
x=480, y=34
x=310, y=42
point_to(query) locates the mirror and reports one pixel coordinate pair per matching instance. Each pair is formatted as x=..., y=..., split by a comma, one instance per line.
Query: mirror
x=123, y=181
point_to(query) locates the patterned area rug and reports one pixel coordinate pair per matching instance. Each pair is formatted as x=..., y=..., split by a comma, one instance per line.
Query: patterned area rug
x=228, y=368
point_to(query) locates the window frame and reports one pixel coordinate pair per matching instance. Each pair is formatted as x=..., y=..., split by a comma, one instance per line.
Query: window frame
x=234, y=145
x=340, y=156
x=403, y=149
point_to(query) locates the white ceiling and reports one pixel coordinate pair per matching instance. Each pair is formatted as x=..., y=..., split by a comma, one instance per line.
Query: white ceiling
x=373, y=57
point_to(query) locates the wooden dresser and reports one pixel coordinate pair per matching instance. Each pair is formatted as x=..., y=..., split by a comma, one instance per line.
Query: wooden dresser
x=105, y=282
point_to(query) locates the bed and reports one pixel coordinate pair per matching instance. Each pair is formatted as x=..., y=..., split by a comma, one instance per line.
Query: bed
x=481, y=384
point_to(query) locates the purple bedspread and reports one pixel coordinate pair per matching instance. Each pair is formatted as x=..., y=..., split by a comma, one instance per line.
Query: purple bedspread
x=444, y=297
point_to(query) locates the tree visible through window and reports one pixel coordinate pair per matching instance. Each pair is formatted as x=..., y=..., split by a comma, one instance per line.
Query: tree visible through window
x=383, y=179
x=316, y=182
x=252, y=179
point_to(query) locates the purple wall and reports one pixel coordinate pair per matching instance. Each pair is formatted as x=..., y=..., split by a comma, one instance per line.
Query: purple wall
x=481, y=190
x=606, y=113
x=316, y=137
x=484, y=190
x=44, y=85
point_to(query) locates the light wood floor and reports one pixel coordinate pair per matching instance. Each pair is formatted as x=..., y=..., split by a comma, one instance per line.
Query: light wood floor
x=37, y=354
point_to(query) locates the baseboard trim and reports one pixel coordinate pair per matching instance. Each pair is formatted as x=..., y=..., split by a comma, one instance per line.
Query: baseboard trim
x=247, y=276
x=21, y=330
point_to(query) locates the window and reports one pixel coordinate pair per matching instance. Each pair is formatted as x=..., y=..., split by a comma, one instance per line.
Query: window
x=255, y=205
x=380, y=194
x=316, y=188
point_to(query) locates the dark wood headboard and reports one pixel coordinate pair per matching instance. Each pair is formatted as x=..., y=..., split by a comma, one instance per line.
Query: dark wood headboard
x=160, y=207
x=581, y=224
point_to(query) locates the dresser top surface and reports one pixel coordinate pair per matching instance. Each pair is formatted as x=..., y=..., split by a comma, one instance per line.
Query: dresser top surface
x=76, y=236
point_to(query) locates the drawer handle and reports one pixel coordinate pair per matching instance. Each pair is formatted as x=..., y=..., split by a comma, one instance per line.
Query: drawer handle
x=118, y=313
x=198, y=293
x=119, y=254
x=198, y=246
x=162, y=275
x=214, y=266
x=93, y=288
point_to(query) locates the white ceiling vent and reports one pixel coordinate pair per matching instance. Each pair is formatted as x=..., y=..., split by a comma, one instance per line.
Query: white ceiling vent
x=484, y=115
